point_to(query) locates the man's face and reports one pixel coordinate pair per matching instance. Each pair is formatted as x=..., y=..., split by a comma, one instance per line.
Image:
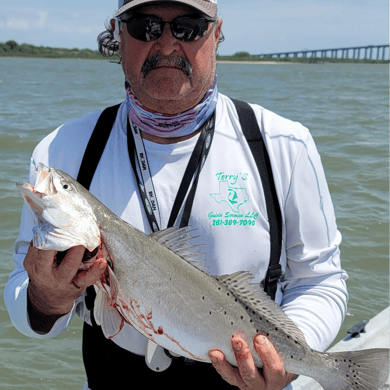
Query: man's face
x=168, y=89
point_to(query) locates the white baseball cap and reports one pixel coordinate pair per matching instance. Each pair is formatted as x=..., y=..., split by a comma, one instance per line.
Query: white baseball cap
x=209, y=7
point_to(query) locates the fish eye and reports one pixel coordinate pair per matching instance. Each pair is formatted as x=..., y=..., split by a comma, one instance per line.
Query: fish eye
x=65, y=186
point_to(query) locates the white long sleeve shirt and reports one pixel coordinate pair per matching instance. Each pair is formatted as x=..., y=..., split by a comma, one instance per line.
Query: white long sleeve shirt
x=229, y=210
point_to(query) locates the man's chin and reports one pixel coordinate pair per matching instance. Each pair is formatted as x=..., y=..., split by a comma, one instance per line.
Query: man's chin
x=169, y=90
x=171, y=82
x=165, y=94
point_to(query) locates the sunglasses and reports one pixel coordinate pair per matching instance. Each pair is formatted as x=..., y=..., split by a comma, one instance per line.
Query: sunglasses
x=150, y=28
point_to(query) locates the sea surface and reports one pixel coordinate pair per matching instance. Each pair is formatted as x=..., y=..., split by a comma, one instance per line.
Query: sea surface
x=345, y=106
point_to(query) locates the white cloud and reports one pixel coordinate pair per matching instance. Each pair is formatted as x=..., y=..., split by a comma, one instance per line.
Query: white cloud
x=72, y=30
x=40, y=22
x=36, y=19
x=18, y=24
x=42, y=16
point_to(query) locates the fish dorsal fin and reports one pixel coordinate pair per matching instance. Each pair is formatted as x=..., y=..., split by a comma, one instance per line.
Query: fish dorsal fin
x=255, y=298
x=177, y=240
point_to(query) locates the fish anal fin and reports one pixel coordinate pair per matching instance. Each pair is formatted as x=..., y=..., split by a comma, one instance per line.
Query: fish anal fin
x=177, y=240
x=253, y=296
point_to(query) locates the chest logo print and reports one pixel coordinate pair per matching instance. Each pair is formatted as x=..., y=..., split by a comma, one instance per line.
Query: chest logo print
x=233, y=196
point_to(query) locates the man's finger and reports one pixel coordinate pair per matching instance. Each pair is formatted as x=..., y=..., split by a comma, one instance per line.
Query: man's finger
x=273, y=367
x=246, y=365
x=227, y=372
x=71, y=263
x=85, y=279
x=38, y=260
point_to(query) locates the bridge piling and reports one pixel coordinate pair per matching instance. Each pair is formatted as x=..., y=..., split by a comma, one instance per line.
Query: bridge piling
x=334, y=53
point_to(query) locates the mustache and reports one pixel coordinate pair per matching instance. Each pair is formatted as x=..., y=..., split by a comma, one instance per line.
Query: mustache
x=157, y=61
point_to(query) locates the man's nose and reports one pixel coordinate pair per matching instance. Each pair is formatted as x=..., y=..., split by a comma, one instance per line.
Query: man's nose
x=167, y=42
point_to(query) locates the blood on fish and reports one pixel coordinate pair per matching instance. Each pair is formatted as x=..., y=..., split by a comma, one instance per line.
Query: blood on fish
x=104, y=278
x=193, y=357
x=120, y=328
x=123, y=304
x=138, y=319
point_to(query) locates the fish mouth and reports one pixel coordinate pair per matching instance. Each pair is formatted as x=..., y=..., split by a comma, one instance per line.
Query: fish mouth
x=34, y=195
x=33, y=198
x=34, y=201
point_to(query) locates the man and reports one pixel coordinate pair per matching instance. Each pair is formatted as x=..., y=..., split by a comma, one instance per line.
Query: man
x=168, y=51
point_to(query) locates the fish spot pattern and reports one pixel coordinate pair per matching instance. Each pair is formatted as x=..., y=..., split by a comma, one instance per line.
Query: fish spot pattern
x=259, y=320
x=259, y=308
x=353, y=374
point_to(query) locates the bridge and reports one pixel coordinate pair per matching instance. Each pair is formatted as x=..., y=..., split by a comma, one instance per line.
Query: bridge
x=371, y=52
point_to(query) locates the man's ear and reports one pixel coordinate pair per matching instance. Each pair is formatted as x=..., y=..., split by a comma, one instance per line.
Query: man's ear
x=112, y=24
x=116, y=27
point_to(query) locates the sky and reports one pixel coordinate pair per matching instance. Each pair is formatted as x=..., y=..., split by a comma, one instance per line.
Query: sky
x=257, y=27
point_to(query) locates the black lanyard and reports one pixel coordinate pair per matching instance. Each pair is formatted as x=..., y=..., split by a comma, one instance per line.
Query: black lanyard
x=191, y=174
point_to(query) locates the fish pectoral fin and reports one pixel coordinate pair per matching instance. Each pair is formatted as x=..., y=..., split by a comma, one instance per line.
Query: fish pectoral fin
x=107, y=316
x=105, y=309
x=114, y=285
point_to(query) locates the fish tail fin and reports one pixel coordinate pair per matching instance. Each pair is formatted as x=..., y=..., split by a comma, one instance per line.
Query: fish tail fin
x=361, y=370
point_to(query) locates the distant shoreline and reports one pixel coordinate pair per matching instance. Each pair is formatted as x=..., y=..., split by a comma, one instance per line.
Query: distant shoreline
x=12, y=49
x=256, y=62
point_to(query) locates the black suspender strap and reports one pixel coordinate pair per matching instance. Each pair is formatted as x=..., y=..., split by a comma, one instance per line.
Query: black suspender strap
x=252, y=133
x=89, y=163
x=96, y=145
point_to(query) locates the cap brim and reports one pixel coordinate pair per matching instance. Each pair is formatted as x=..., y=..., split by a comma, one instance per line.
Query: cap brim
x=210, y=9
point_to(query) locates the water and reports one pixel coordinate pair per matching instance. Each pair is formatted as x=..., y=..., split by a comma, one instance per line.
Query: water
x=345, y=107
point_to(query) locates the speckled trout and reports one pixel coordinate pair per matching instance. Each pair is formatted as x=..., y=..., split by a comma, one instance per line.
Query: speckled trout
x=156, y=284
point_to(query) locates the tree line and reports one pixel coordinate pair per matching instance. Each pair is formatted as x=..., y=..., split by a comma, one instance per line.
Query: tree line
x=13, y=49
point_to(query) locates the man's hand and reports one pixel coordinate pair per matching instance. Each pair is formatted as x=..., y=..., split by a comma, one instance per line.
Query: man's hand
x=53, y=288
x=247, y=377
